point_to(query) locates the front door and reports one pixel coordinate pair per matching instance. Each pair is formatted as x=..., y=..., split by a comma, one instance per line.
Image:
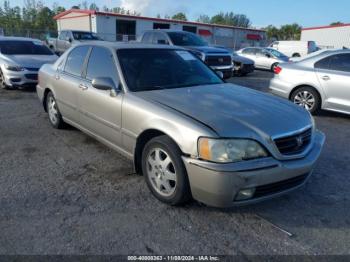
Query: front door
x=101, y=111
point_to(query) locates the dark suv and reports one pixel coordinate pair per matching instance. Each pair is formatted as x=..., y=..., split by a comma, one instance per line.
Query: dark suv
x=218, y=59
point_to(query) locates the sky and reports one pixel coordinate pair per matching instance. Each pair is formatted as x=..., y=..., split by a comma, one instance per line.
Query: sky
x=307, y=13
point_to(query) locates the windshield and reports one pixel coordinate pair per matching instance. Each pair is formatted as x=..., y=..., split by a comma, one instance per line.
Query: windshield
x=275, y=53
x=186, y=39
x=24, y=48
x=155, y=69
x=84, y=36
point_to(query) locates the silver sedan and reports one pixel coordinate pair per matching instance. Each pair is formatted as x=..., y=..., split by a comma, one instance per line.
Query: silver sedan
x=20, y=61
x=264, y=58
x=317, y=82
x=187, y=131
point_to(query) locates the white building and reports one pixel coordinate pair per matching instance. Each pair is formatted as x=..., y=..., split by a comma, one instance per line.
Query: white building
x=117, y=27
x=328, y=36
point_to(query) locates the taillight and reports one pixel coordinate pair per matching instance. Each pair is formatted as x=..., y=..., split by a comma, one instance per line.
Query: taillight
x=277, y=70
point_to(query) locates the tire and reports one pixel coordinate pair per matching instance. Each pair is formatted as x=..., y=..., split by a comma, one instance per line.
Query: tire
x=55, y=116
x=308, y=98
x=274, y=66
x=296, y=55
x=2, y=81
x=164, y=171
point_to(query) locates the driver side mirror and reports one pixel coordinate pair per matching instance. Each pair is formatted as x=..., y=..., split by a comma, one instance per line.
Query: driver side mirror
x=103, y=83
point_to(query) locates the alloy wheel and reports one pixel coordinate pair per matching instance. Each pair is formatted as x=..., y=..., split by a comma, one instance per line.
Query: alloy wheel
x=53, y=112
x=161, y=172
x=304, y=99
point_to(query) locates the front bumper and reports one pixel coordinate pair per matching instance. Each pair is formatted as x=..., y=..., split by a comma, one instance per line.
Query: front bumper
x=20, y=78
x=243, y=68
x=217, y=185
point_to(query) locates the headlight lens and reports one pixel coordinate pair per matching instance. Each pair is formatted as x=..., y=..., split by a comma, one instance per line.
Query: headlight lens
x=229, y=150
x=14, y=68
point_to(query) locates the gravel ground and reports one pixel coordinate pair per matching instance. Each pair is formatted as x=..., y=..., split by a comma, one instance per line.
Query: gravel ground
x=64, y=193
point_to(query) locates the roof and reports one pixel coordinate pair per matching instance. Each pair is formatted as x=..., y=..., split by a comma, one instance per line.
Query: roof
x=93, y=12
x=325, y=27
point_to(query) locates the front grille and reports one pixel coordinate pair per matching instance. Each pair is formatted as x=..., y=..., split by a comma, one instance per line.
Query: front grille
x=278, y=187
x=294, y=144
x=218, y=60
x=32, y=76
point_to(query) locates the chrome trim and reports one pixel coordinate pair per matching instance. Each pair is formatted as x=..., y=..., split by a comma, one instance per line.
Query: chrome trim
x=285, y=135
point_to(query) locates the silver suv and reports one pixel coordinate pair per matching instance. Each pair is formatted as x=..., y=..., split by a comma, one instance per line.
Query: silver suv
x=189, y=133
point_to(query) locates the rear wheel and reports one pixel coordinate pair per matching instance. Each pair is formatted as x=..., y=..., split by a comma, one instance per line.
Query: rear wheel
x=296, y=55
x=55, y=116
x=165, y=172
x=307, y=98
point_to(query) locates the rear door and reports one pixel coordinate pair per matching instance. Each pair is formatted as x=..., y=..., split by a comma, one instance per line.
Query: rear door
x=101, y=111
x=66, y=83
x=334, y=75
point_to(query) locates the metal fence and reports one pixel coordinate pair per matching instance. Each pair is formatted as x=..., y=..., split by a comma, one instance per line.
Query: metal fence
x=37, y=34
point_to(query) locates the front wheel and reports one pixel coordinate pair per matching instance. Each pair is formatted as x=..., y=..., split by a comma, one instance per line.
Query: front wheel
x=2, y=81
x=164, y=171
x=307, y=98
x=55, y=116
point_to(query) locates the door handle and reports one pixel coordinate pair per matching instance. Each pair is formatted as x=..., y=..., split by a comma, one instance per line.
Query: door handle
x=326, y=78
x=83, y=87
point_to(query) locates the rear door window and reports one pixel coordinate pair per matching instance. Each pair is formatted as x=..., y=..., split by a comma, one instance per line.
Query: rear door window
x=340, y=62
x=75, y=60
x=101, y=64
x=160, y=38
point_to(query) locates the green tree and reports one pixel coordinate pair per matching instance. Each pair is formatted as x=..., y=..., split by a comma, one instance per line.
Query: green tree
x=203, y=19
x=218, y=19
x=272, y=32
x=336, y=23
x=180, y=16
x=231, y=19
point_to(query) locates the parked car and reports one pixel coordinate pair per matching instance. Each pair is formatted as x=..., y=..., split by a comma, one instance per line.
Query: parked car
x=295, y=48
x=20, y=61
x=218, y=59
x=318, y=82
x=188, y=132
x=264, y=58
x=242, y=66
x=67, y=38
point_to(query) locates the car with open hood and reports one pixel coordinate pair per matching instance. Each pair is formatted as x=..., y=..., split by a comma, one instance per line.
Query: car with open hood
x=187, y=131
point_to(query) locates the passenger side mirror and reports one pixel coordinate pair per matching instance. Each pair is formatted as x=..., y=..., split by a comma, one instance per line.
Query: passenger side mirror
x=68, y=39
x=268, y=55
x=103, y=83
x=162, y=42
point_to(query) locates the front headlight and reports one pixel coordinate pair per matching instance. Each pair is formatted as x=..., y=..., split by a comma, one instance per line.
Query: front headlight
x=14, y=68
x=229, y=150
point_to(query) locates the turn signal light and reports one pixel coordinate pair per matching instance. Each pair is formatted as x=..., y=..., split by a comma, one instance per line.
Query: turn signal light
x=277, y=70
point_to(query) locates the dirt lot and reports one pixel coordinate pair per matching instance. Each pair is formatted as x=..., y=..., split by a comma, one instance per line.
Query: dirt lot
x=63, y=193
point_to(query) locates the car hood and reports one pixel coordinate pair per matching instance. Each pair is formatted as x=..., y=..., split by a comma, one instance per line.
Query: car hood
x=34, y=61
x=242, y=59
x=208, y=49
x=233, y=111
